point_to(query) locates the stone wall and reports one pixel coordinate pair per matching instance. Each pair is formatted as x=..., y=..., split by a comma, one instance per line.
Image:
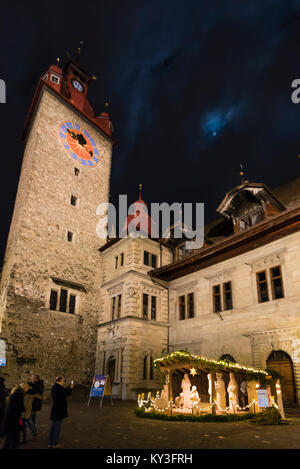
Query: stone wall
x=40, y=340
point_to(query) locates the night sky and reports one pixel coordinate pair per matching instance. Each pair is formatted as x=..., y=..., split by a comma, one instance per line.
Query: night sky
x=195, y=88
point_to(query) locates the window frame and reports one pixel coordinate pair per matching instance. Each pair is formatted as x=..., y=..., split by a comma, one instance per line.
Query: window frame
x=222, y=296
x=152, y=259
x=183, y=306
x=272, y=278
x=259, y=282
x=70, y=293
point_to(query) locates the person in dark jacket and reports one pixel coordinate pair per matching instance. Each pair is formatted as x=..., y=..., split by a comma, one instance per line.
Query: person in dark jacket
x=36, y=387
x=3, y=394
x=12, y=425
x=59, y=409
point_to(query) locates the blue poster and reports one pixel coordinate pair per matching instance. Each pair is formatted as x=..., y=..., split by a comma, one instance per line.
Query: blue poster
x=98, y=386
x=2, y=361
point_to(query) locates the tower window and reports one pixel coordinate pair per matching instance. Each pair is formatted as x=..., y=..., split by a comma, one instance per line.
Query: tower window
x=72, y=304
x=73, y=200
x=150, y=259
x=149, y=307
x=62, y=301
x=54, y=79
x=145, y=306
x=70, y=236
x=116, y=303
x=121, y=260
x=53, y=300
x=153, y=307
x=76, y=172
x=113, y=308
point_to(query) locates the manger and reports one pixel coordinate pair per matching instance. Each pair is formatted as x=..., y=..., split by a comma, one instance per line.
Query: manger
x=196, y=385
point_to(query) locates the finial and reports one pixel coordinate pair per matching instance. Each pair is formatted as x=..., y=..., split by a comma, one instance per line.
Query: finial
x=94, y=77
x=140, y=191
x=79, y=50
x=57, y=61
x=242, y=173
x=106, y=106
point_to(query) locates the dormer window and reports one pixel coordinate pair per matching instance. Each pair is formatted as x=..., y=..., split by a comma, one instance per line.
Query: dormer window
x=54, y=79
x=251, y=219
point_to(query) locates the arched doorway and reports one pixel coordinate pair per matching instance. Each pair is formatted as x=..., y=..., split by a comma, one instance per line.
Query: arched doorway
x=227, y=358
x=111, y=368
x=282, y=362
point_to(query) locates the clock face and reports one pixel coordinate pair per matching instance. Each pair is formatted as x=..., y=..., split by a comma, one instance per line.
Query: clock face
x=79, y=144
x=77, y=85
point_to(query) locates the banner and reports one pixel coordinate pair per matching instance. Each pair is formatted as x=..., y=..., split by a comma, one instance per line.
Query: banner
x=264, y=396
x=98, y=386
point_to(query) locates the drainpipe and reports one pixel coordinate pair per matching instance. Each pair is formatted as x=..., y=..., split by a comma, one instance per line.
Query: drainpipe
x=162, y=284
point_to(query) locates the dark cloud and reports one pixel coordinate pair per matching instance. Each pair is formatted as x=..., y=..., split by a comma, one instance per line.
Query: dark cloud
x=195, y=88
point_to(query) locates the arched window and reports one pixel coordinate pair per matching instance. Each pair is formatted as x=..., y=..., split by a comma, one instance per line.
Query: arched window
x=148, y=370
x=227, y=358
x=145, y=366
x=151, y=371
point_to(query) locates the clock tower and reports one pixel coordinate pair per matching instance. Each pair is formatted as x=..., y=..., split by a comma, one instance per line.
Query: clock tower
x=50, y=285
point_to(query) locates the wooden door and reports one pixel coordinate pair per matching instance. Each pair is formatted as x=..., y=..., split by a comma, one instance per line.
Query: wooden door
x=281, y=362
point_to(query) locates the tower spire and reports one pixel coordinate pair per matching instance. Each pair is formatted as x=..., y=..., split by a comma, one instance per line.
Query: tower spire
x=140, y=191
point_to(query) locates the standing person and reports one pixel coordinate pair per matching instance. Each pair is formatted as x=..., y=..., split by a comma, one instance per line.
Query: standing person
x=25, y=416
x=37, y=387
x=12, y=425
x=3, y=394
x=59, y=409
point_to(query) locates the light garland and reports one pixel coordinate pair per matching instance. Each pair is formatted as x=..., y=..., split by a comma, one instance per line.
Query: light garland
x=149, y=405
x=158, y=362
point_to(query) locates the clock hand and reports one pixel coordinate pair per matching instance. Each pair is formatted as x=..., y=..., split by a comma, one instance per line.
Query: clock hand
x=79, y=137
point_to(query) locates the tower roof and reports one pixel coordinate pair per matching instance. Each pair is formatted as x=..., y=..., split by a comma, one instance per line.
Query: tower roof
x=70, y=84
x=140, y=220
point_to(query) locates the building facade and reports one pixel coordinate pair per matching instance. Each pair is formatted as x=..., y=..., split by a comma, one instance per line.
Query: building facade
x=75, y=304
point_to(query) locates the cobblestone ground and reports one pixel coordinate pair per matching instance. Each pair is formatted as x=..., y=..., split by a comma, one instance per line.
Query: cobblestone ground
x=116, y=427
